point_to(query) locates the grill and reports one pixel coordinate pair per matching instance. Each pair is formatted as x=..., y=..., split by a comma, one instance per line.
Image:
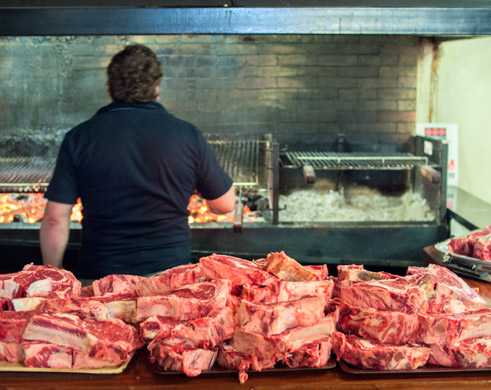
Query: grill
x=260, y=167
x=25, y=174
x=240, y=159
x=351, y=161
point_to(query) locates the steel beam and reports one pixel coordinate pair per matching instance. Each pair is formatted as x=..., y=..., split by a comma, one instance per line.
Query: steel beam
x=236, y=20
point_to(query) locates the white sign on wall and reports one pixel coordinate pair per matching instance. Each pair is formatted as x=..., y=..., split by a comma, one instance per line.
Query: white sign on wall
x=448, y=132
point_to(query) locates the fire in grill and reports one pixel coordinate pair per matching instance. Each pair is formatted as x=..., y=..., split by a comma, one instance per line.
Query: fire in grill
x=23, y=180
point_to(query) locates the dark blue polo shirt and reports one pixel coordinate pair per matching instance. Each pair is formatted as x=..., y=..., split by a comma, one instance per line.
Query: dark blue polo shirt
x=134, y=168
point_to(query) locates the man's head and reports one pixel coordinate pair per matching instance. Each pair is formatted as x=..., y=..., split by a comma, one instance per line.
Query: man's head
x=134, y=74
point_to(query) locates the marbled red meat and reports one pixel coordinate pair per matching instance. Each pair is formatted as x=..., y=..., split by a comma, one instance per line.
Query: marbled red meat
x=188, y=303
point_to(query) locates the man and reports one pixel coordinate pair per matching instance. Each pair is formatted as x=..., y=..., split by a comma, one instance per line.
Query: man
x=134, y=166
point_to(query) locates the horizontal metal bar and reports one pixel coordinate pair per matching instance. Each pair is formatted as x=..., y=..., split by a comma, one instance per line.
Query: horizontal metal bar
x=334, y=158
x=24, y=184
x=246, y=20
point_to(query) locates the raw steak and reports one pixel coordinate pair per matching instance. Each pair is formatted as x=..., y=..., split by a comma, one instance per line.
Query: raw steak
x=321, y=270
x=47, y=355
x=188, y=303
x=204, y=333
x=471, y=353
x=388, y=327
x=315, y=354
x=262, y=350
x=282, y=290
x=465, y=245
x=83, y=361
x=294, y=339
x=118, y=306
x=11, y=352
x=83, y=307
x=274, y=318
x=368, y=354
x=447, y=329
x=39, y=280
x=189, y=361
x=356, y=273
x=238, y=271
x=169, y=280
x=451, y=294
x=124, y=310
x=231, y=359
x=13, y=324
x=405, y=294
x=482, y=248
x=101, y=339
x=158, y=326
x=26, y=304
x=286, y=268
x=116, y=284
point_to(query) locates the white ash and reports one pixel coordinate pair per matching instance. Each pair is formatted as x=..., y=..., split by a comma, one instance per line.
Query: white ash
x=334, y=206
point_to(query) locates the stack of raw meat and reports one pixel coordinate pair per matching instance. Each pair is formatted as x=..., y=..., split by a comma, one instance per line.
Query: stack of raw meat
x=476, y=244
x=389, y=322
x=47, y=320
x=241, y=314
x=246, y=316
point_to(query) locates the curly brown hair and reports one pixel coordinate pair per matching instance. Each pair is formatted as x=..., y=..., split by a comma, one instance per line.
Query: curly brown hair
x=133, y=75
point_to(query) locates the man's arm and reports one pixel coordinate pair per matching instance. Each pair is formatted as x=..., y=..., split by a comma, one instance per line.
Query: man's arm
x=224, y=204
x=53, y=235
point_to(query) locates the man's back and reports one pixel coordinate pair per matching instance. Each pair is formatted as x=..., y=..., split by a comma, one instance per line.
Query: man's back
x=135, y=168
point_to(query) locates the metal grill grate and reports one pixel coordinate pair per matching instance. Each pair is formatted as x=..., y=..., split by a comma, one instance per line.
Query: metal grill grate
x=351, y=161
x=25, y=174
x=240, y=159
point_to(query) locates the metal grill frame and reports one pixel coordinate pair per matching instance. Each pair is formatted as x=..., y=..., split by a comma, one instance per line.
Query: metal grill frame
x=25, y=174
x=351, y=161
x=240, y=159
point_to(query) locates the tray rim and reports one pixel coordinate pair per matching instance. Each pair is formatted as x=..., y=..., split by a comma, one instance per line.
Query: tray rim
x=331, y=363
x=349, y=368
x=20, y=367
x=442, y=246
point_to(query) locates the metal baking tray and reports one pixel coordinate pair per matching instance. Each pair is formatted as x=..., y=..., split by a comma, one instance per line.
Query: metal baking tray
x=216, y=369
x=346, y=367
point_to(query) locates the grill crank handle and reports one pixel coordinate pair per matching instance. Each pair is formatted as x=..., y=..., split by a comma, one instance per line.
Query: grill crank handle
x=239, y=214
x=309, y=174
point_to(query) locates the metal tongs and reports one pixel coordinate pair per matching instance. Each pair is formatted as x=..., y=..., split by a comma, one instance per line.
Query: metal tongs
x=464, y=265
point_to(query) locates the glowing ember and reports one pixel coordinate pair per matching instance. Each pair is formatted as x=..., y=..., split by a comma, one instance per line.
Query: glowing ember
x=29, y=208
x=200, y=213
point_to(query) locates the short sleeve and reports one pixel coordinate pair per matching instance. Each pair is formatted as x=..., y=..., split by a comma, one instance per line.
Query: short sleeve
x=212, y=180
x=63, y=187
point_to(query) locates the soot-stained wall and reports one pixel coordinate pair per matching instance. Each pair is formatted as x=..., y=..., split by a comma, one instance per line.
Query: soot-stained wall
x=299, y=88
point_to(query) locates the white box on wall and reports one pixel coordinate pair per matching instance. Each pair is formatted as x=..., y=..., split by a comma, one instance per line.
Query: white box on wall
x=448, y=132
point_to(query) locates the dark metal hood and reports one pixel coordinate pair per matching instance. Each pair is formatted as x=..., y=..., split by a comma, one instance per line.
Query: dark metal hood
x=130, y=17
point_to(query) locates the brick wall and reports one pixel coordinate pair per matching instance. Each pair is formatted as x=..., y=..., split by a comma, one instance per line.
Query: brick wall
x=297, y=87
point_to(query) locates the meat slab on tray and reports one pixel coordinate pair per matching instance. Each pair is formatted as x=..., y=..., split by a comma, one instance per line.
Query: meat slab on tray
x=476, y=244
x=245, y=316
x=431, y=317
